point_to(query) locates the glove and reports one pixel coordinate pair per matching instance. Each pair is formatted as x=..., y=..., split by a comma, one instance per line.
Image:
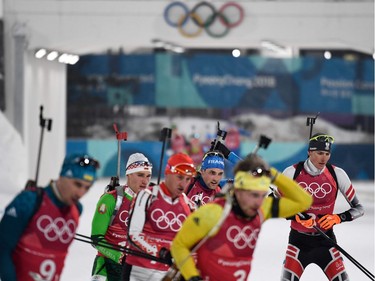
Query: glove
x=165, y=254
x=196, y=278
x=112, y=184
x=328, y=221
x=220, y=147
x=309, y=222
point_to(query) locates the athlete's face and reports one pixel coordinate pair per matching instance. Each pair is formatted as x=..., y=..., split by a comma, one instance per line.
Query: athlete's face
x=212, y=177
x=177, y=184
x=139, y=180
x=71, y=190
x=250, y=200
x=319, y=158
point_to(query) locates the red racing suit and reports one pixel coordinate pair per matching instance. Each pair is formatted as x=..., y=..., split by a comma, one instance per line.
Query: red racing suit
x=228, y=254
x=201, y=195
x=307, y=245
x=41, y=251
x=155, y=220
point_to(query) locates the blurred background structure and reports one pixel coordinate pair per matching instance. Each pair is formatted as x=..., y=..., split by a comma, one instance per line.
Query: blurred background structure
x=258, y=67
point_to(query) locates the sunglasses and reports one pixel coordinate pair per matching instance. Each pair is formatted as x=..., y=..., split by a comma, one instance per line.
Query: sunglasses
x=259, y=172
x=184, y=168
x=213, y=153
x=139, y=164
x=86, y=161
x=323, y=138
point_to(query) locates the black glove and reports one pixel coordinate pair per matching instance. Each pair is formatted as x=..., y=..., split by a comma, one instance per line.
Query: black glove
x=196, y=278
x=112, y=184
x=165, y=254
x=220, y=147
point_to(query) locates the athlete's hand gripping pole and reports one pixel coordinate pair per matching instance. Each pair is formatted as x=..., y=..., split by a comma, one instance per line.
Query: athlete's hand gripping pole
x=346, y=254
x=166, y=133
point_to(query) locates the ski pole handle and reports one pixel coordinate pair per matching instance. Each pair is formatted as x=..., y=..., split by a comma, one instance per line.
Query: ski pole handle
x=310, y=121
x=44, y=123
x=220, y=136
x=164, y=134
x=119, y=136
x=263, y=143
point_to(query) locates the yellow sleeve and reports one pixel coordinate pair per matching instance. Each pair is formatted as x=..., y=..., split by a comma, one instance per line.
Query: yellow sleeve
x=294, y=199
x=195, y=228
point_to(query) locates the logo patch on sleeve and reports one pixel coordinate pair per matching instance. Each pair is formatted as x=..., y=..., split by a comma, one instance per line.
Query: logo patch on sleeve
x=102, y=209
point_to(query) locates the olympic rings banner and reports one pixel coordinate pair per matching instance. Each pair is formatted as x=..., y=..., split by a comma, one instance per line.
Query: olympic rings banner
x=216, y=22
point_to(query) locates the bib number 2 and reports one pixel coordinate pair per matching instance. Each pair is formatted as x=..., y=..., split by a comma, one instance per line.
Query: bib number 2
x=240, y=275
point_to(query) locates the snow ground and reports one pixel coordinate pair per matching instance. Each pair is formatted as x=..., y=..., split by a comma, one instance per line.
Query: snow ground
x=356, y=238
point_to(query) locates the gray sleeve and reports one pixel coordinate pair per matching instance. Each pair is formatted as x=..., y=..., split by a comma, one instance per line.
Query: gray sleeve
x=347, y=190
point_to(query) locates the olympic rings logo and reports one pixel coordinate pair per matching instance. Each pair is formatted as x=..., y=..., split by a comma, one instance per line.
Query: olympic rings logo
x=318, y=191
x=204, y=16
x=242, y=238
x=203, y=200
x=57, y=229
x=167, y=220
x=124, y=217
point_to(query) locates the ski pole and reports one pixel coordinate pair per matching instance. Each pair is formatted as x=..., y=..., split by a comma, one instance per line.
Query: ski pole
x=262, y=143
x=220, y=136
x=105, y=244
x=310, y=121
x=164, y=134
x=43, y=123
x=346, y=254
x=115, y=181
x=120, y=136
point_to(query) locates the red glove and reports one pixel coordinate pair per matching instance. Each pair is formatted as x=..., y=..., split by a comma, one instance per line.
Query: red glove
x=328, y=221
x=308, y=223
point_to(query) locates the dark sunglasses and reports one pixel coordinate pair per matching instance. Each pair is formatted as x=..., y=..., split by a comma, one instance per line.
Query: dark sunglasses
x=323, y=138
x=213, y=153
